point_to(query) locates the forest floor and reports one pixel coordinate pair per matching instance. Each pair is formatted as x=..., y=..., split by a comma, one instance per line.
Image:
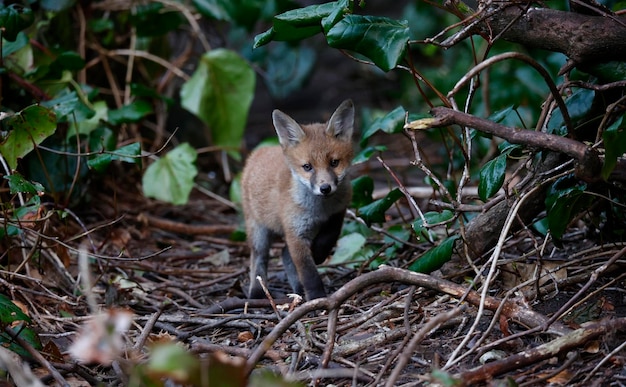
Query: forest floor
x=179, y=272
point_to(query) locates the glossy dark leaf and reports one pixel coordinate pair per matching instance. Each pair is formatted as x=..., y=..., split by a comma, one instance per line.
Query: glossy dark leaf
x=564, y=199
x=128, y=153
x=392, y=122
x=491, y=177
x=381, y=39
x=375, y=211
x=366, y=153
x=436, y=257
x=17, y=183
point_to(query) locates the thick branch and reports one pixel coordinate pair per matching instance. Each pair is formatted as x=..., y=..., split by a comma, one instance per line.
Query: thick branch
x=581, y=37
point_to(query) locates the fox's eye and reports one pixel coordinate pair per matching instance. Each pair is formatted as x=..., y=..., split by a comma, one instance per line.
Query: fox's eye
x=334, y=163
x=307, y=167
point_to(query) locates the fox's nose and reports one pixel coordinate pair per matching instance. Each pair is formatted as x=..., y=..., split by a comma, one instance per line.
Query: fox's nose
x=325, y=189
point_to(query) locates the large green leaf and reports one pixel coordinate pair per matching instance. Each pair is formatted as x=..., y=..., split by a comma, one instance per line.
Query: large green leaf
x=375, y=211
x=297, y=24
x=17, y=183
x=381, y=39
x=220, y=93
x=491, y=177
x=614, y=138
x=14, y=19
x=434, y=258
x=171, y=178
x=27, y=129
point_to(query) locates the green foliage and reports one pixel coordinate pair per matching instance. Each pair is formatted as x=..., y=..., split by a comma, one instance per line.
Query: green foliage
x=13, y=19
x=375, y=211
x=492, y=177
x=26, y=129
x=614, y=138
x=171, y=177
x=436, y=257
x=564, y=200
x=220, y=93
x=13, y=318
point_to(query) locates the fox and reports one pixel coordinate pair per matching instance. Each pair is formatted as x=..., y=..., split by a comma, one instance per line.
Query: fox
x=300, y=191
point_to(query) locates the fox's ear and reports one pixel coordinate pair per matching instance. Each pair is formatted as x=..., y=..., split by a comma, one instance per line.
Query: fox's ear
x=341, y=123
x=289, y=131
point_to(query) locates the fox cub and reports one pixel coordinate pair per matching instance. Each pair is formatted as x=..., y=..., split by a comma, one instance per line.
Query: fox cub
x=300, y=191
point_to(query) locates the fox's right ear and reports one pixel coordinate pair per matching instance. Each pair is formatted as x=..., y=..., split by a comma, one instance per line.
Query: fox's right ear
x=289, y=131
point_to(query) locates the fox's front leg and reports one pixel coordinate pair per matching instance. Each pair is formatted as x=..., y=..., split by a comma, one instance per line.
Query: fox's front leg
x=305, y=268
x=260, y=238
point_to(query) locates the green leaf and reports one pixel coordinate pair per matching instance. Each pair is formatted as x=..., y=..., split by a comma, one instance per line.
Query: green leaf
x=366, y=153
x=614, y=138
x=375, y=211
x=578, y=105
x=381, y=39
x=68, y=60
x=174, y=361
x=17, y=183
x=171, y=178
x=296, y=24
x=20, y=42
x=213, y=9
x=220, y=93
x=101, y=162
x=14, y=19
x=392, y=122
x=564, y=199
x=27, y=129
x=362, y=189
x=9, y=312
x=348, y=247
x=133, y=112
x=342, y=7
x=84, y=124
x=434, y=258
x=491, y=177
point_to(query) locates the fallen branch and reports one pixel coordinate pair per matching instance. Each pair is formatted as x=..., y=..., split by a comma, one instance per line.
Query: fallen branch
x=545, y=351
x=385, y=274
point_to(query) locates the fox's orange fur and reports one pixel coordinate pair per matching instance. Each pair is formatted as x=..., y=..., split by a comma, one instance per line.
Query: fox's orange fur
x=300, y=191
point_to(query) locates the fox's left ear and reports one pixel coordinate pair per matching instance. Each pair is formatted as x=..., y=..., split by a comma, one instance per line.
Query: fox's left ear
x=341, y=123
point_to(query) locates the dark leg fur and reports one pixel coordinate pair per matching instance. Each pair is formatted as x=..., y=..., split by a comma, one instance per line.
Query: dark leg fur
x=292, y=272
x=259, y=257
x=327, y=237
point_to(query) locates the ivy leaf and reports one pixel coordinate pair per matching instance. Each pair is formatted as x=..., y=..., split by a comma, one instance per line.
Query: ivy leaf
x=614, y=138
x=17, y=183
x=171, y=178
x=375, y=211
x=381, y=39
x=133, y=112
x=492, y=177
x=220, y=93
x=27, y=129
x=101, y=161
x=434, y=258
